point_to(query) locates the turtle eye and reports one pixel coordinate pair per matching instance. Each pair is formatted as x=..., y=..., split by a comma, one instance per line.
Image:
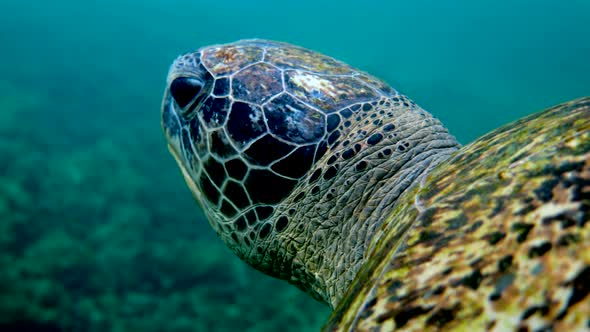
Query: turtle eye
x=185, y=89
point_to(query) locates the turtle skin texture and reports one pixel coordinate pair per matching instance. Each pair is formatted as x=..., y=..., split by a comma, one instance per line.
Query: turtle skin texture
x=496, y=238
x=294, y=156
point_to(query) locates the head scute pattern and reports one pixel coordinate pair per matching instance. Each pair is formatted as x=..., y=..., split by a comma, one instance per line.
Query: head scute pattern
x=266, y=113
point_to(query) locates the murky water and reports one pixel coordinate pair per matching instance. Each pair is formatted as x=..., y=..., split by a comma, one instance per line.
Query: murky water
x=97, y=229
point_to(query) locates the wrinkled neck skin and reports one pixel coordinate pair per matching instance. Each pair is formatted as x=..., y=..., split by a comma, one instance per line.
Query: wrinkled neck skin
x=338, y=215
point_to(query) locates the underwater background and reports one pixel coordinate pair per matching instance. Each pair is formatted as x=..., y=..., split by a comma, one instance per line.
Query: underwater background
x=98, y=231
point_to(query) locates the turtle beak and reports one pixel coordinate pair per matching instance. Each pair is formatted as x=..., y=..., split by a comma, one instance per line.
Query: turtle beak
x=185, y=173
x=172, y=130
x=172, y=127
x=170, y=120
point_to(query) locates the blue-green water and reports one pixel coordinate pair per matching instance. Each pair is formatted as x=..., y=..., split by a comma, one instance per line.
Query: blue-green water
x=97, y=229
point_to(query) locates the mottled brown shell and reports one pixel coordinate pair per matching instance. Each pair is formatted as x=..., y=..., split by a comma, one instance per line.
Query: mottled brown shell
x=497, y=238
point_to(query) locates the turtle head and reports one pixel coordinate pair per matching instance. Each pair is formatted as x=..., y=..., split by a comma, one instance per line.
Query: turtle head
x=242, y=141
x=293, y=155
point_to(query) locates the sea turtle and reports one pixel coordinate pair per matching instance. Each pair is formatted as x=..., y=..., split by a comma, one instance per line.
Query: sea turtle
x=322, y=175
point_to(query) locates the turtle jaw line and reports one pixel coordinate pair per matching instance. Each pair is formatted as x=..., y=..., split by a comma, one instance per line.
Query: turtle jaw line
x=190, y=182
x=172, y=127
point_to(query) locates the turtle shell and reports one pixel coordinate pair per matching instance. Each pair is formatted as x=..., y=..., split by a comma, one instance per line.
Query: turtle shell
x=496, y=238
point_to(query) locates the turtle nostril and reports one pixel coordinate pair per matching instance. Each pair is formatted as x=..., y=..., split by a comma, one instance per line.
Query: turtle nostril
x=185, y=89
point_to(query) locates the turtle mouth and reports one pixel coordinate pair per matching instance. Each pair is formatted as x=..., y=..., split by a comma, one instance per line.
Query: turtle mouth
x=170, y=121
x=185, y=173
x=171, y=125
x=172, y=128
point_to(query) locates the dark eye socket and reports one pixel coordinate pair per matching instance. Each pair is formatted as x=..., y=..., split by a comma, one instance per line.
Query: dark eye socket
x=185, y=89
